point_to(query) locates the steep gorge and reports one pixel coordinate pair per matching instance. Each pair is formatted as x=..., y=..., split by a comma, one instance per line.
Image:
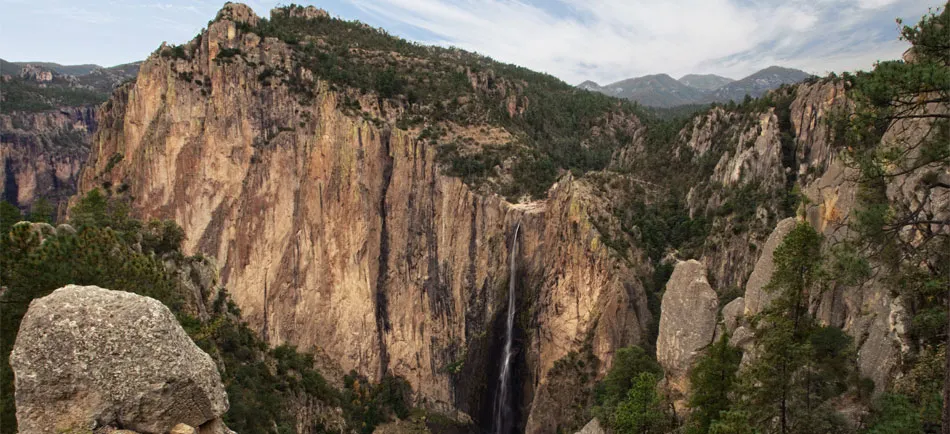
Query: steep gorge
x=42, y=154
x=338, y=233
x=339, y=230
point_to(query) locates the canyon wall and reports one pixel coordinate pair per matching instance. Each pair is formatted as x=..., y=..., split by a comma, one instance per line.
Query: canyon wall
x=42, y=154
x=336, y=232
x=763, y=157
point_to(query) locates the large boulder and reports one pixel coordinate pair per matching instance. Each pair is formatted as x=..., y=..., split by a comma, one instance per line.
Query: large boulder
x=687, y=325
x=756, y=298
x=87, y=357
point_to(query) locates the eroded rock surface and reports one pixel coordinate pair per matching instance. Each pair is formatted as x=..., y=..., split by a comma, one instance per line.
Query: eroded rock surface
x=339, y=233
x=592, y=427
x=756, y=297
x=42, y=154
x=87, y=357
x=732, y=314
x=687, y=325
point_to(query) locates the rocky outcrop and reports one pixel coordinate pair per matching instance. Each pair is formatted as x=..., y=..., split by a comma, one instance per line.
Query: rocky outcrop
x=742, y=338
x=87, y=357
x=739, y=255
x=687, y=325
x=810, y=115
x=197, y=278
x=868, y=310
x=593, y=427
x=756, y=155
x=338, y=233
x=732, y=314
x=741, y=197
x=42, y=154
x=756, y=297
x=35, y=73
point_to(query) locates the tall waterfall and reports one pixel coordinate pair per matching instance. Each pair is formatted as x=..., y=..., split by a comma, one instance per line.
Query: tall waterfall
x=502, y=411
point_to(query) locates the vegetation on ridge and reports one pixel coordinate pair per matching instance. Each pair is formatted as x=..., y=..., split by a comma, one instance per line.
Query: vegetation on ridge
x=555, y=126
x=21, y=95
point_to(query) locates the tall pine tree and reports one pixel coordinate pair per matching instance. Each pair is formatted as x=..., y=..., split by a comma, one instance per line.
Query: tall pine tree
x=899, y=135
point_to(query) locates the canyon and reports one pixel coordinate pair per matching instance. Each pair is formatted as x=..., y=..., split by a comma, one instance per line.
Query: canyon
x=339, y=229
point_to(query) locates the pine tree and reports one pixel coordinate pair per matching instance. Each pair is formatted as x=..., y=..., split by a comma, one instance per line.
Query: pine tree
x=9, y=215
x=797, y=365
x=42, y=211
x=712, y=381
x=783, y=327
x=641, y=412
x=908, y=235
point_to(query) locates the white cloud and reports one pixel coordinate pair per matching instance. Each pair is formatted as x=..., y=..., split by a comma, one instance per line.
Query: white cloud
x=87, y=16
x=874, y=4
x=607, y=40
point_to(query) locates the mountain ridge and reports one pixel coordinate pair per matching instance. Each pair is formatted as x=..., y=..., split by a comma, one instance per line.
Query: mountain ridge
x=705, y=81
x=663, y=91
x=75, y=70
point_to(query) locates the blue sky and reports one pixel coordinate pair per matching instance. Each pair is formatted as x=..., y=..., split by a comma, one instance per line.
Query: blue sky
x=575, y=40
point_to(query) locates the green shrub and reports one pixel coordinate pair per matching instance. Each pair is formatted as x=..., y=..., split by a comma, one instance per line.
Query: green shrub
x=621, y=397
x=227, y=54
x=174, y=52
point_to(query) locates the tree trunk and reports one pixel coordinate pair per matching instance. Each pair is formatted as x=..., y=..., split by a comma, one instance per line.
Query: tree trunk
x=945, y=422
x=784, y=409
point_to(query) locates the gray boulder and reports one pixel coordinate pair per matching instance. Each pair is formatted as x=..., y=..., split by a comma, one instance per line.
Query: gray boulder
x=742, y=338
x=87, y=357
x=687, y=325
x=592, y=427
x=732, y=314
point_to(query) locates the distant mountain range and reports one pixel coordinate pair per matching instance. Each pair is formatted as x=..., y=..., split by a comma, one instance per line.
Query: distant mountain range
x=90, y=76
x=661, y=90
x=705, y=82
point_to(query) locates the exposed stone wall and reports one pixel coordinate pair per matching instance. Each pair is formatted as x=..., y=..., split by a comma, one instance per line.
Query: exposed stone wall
x=340, y=235
x=42, y=154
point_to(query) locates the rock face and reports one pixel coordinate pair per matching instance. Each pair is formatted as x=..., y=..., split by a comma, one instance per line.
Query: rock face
x=340, y=234
x=808, y=113
x=732, y=314
x=756, y=155
x=35, y=73
x=87, y=357
x=687, y=325
x=42, y=154
x=756, y=298
x=593, y=427
x=748, y=153
x=738, y=253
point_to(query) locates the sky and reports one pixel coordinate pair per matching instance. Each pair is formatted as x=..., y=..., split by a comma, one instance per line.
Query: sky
x=575, y=40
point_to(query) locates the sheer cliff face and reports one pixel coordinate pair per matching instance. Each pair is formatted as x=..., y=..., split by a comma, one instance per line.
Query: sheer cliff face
x=339, y=234
x=869, y=312
x=757, y=155
x=41, y=154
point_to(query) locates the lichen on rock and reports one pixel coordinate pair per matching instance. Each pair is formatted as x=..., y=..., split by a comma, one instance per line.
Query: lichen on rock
x=687, y=325
x=87, y=357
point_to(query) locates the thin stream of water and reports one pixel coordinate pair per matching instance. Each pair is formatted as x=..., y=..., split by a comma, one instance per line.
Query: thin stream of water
x=502, y=410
